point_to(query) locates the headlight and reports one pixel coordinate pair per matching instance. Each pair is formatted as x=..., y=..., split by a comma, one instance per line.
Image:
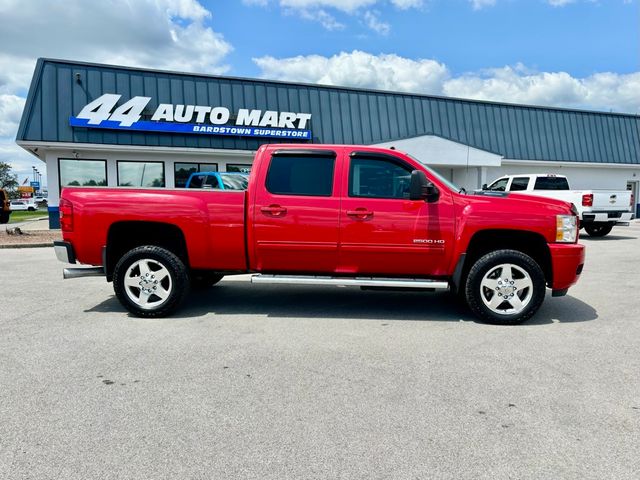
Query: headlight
x=566, y=228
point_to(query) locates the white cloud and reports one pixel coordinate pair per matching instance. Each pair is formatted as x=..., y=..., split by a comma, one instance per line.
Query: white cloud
x=325, y=19
x=372, y=20
x=165, y=34
x=359, y=69
x=480, y=4
x=342, y=5
x=406, y=4
x=323, y=11
x=514, y=84
x=559, y=3
x=10, y=112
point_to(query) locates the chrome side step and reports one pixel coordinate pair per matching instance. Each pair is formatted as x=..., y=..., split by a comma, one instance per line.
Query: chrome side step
x=82, y=272
x=351, y=281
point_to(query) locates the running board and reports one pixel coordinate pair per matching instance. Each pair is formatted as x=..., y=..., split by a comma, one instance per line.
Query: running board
x=351, y=281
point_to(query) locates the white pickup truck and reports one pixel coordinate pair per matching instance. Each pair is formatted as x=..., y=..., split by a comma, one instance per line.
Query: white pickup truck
x=599, y=210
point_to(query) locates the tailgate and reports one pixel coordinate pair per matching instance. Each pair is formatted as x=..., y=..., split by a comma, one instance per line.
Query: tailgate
x=611, y=201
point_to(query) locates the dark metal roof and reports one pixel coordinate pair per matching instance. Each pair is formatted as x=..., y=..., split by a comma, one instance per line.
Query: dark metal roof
x=339, y=114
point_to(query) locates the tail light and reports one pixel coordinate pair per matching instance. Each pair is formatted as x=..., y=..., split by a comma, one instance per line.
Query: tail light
x=631, y=200
x=587, y=200
x=66, y=215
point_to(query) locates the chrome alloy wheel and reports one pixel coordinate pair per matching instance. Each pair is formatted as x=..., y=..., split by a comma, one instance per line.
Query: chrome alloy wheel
x=506, y=289
x=148, y=283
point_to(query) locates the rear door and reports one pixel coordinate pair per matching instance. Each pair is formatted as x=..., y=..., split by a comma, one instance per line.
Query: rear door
x=385, y=233
x=296, y=212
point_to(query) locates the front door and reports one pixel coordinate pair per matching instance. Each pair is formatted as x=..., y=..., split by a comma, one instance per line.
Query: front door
x=295, y=214
x=385, y=233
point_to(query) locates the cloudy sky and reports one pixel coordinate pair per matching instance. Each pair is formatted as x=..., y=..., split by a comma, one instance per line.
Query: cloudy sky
x=568, y=53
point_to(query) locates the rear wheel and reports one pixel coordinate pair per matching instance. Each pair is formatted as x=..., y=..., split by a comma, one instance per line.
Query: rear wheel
x=150, y=281
x=4, y=217
x=505, y=287
x=598, y=229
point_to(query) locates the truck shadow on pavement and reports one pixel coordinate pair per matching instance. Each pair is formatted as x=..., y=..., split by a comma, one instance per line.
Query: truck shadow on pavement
x=242, y=298
x=606, y=238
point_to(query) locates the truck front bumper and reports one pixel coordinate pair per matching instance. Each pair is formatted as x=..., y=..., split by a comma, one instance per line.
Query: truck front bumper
x=567, y=261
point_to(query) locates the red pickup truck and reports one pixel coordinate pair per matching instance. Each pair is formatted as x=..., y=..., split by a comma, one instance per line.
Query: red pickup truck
x=327, y=215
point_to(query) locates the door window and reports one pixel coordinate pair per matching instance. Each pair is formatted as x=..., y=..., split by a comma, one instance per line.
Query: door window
x=499, y=185
x=304, y=175
x=378, y=178
x=519, y=184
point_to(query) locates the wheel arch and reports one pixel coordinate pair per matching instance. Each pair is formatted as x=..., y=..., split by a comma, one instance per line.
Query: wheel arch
x=485, y=241
x=127, y=235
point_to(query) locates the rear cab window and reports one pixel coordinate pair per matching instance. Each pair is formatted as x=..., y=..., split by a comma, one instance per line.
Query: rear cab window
x=305, y=174
x=519, y=184
x=551, y=183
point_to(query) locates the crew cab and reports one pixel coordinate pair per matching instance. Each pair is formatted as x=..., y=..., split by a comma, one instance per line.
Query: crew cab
x=599, y=210
x=325, y=215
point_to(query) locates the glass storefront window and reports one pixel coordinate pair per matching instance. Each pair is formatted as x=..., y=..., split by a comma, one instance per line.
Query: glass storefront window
x=238, y=168
x=140, y=174
x=82, y=173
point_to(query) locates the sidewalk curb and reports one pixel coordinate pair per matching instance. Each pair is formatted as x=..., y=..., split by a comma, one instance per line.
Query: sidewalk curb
x=27, y=245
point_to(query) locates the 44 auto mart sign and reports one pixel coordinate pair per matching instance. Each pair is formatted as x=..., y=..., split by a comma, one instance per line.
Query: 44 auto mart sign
x=104, y=112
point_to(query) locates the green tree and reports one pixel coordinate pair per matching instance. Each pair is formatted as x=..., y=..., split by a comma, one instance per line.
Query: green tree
x=8, y=180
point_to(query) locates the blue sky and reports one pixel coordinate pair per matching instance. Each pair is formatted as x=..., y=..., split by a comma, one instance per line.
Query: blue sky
x=562, y=53
x=581, y=37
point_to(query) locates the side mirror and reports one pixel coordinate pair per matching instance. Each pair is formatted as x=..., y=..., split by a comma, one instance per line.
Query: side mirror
x=484, y=186
x=421, y=188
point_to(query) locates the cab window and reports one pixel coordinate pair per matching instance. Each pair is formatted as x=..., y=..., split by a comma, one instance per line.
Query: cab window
x=378, y=178
x=499, y=185
x=306, y=175
x=519, y=184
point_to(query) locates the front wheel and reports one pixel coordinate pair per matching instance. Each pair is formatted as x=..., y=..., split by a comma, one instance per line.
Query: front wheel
x=505, y=287
x=150, y=281
x=598, y=229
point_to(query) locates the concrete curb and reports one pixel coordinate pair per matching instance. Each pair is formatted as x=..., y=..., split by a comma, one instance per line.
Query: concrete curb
x=28, y=245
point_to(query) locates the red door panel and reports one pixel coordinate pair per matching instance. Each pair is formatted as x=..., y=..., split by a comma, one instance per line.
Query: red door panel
x=391, y=236
x=295, y=232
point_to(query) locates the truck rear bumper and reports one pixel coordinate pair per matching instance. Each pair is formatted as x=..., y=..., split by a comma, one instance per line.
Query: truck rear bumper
x=603, y=217
x=64, y=252
x=567, y=262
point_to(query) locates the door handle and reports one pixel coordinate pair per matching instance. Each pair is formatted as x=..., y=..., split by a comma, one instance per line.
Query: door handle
x=360, y=213
x=274, y=210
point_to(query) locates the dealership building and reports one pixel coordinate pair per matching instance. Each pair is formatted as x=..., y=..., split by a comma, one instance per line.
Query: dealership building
x=103, y=125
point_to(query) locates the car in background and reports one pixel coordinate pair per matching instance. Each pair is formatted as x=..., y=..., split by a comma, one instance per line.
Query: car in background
x=25, y=204
x=218, y=181
x=5, y=208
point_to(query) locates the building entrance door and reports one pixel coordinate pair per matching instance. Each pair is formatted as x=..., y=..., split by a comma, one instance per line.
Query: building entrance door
x=634, y=187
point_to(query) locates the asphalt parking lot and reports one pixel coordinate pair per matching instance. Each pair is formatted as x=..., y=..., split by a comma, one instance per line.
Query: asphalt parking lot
x=272, y=382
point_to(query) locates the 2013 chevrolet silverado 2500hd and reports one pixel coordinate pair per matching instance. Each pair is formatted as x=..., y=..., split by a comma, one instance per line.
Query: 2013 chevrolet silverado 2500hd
x=328, y=215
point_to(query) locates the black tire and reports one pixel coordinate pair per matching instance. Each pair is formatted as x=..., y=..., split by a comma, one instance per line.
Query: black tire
x=173, y=286
x=598, y=229
x=489, y=268
x=200, y=280
x=31, y=209
x=4, y=217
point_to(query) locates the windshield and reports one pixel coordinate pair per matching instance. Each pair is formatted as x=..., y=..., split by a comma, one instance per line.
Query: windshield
x=448, y=183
